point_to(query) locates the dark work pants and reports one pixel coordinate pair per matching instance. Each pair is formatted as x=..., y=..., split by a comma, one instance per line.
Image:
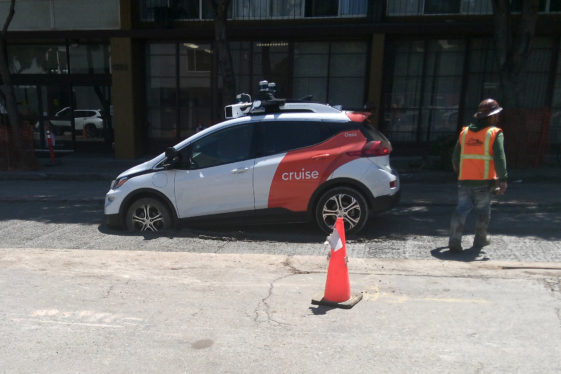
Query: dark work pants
x=471, y=198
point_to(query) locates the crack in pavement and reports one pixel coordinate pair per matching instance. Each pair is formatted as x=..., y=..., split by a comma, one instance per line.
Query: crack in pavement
x=265, y=301
x=553, y=285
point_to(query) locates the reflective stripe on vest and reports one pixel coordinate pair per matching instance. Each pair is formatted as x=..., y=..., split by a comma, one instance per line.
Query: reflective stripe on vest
x=485, y=156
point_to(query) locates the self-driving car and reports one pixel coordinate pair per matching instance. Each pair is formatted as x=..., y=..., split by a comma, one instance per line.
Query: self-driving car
x=271, y=161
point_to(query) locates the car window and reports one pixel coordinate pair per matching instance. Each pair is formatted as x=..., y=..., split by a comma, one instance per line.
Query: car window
x=283, y=136
x=223, y=147
x=371, y=133
x=81, y=113
x=64, y=113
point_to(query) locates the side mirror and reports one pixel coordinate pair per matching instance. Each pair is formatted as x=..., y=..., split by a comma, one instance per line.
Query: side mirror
x=170, y=153
x=172, y=158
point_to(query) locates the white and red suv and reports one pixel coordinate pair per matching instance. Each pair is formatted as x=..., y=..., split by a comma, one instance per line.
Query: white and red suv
x=283, y=162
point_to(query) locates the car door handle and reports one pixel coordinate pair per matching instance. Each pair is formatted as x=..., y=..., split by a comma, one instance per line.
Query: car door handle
x=321, y=157
x=239, y=171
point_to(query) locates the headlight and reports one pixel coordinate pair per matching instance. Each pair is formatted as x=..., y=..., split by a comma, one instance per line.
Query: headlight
x=118, y=182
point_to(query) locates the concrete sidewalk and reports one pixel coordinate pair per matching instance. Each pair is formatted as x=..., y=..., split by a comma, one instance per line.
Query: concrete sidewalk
x=153, y=312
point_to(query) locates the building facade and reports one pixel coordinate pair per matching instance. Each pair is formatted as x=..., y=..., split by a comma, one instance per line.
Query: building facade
x=132, y=77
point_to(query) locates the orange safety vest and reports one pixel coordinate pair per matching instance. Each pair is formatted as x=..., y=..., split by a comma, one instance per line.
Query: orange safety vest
x=476, y=157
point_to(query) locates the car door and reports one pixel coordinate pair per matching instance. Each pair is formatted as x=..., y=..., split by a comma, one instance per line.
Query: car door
x=218, y=173
x=79, y=119
x=289, y=168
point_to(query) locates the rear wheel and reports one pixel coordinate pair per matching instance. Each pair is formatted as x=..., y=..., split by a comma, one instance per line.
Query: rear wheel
x=345, y=202
x=91, y=130
x=148, y=214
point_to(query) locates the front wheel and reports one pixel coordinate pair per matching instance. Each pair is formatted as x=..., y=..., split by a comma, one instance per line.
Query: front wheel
x=344, y=202
x=148, y=214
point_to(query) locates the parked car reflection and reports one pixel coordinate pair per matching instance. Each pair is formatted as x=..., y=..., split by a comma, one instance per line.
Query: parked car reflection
x=89, y=121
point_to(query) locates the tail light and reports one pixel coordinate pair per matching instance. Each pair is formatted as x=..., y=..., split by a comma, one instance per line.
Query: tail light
x=373, y=148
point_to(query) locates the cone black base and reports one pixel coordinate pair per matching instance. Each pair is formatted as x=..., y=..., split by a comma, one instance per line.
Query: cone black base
x=319, y=300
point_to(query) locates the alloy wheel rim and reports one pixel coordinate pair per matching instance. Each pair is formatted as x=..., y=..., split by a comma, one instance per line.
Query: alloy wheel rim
x=341, y=205
x=148, y=218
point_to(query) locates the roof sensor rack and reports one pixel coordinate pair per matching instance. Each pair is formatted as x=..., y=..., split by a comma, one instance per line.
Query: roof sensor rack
x=241, y=108
x=266, y=102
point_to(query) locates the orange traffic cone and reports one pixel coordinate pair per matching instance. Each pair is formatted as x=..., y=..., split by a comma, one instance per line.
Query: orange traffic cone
x=337, y=287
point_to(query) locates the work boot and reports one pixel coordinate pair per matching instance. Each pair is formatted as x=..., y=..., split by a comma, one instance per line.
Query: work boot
x=481, y=240
x=455, y=245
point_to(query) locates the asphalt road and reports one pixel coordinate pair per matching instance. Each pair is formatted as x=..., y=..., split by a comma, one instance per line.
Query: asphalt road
x=78, y=297
x=161, y=312
x=69, y=214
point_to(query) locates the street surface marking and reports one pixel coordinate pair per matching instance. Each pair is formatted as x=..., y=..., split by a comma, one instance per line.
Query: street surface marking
x=66, y=323
x=80, y=318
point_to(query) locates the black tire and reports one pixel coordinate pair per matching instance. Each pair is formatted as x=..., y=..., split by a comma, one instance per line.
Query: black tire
x=346, y=201
x=148, y=214
x=91, y=130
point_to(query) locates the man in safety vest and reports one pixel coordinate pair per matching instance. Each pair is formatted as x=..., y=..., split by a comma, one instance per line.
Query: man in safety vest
x=480, y=162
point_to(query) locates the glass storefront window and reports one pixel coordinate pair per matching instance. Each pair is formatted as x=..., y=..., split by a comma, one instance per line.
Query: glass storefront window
x=403, y=7
x=166, y=11
x=423, y=92
x=403, y=101
x=353, y=7
x=425, y=95
x=336, y=8
x=484, y=81
x=331, y=72
x=347, y=67
x=37, y=59
x=241, y=61
x=287, y=8
x=250, y=9
x=437, y=7
x=92, y=117
x=321, y=8
x=41, y=15
x=270, y=62
x=52, y=59
x=161, y=90
x=178, y=89
x=442, y=88
x=311, y=62
x=195, y=57
x=89, y=58
x=195, y=65
x=536, y=73
x=151, y=10
x=442, y=6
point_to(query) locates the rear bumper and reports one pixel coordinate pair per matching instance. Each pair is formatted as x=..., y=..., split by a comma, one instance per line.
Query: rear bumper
x=385, y=203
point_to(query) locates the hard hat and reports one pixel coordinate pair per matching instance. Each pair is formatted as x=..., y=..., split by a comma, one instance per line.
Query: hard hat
x=487, y=108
